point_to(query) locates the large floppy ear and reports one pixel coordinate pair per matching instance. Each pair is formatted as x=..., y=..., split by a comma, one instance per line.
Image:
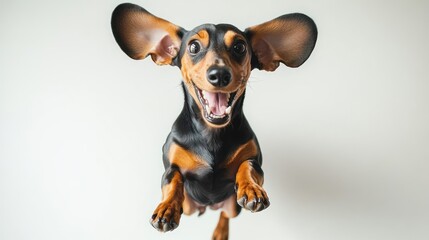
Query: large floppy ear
x=289, y=39
x=139, y=34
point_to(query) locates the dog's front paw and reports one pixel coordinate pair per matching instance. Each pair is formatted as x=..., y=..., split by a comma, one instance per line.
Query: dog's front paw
x=166, y=216
x=252, y=197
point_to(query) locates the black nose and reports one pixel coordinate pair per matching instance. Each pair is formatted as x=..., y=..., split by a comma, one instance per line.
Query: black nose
x=219, y=76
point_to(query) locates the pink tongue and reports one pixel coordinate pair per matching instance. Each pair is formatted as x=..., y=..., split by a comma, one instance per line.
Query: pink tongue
x=217, y=102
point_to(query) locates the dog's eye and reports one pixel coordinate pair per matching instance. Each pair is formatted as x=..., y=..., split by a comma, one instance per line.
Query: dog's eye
x=194, y=47
x=239, y=48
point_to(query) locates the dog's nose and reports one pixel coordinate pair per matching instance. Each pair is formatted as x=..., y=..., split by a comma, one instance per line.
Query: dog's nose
x=219, y=76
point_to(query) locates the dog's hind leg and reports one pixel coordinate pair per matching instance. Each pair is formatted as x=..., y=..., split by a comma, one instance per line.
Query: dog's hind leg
x=221, y=231
x=230, y=209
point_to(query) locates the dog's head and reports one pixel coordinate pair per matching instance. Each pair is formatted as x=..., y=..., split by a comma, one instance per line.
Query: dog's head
x=215, y=60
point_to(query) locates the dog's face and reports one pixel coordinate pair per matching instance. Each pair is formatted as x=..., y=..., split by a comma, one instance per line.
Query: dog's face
x=215, y=64
x=215, y=60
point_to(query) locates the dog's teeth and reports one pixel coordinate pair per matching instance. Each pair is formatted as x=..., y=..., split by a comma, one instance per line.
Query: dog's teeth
x=228, y=110
x=208, y=109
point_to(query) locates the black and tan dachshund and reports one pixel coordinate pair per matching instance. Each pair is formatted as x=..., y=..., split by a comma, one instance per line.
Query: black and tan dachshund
x=212, y=157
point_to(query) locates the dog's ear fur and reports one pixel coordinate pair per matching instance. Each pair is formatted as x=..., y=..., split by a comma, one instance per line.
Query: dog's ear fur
x=289, y=39
x=139, y=34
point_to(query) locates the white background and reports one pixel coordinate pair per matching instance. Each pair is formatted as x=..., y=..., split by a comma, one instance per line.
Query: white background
x=345, y=137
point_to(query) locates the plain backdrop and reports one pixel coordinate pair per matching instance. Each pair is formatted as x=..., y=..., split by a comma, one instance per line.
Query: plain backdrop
x=345, y=137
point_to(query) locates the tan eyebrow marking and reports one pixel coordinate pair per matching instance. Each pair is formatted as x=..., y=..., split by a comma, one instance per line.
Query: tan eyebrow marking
x=203, y=37
x=229, y=38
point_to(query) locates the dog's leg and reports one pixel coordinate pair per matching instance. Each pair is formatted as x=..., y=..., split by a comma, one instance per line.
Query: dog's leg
x=166, y=216
x=222, y=228
x=230, y=209
x=249, y=180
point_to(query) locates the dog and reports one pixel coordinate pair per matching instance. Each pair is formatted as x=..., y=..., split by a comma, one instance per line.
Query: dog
x=211, y=156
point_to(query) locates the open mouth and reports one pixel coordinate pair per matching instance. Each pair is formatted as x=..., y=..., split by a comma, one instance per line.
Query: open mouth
x=217, y=106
